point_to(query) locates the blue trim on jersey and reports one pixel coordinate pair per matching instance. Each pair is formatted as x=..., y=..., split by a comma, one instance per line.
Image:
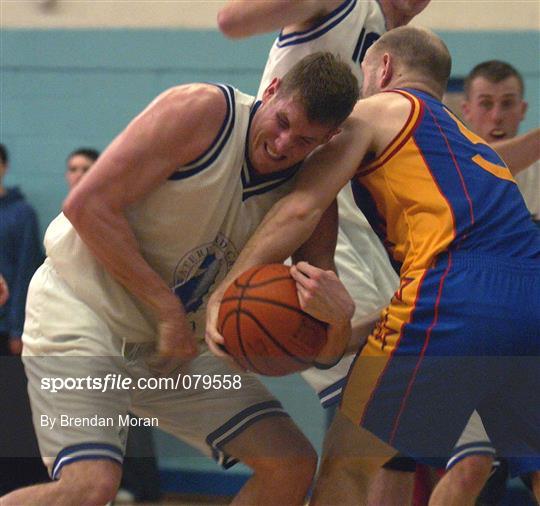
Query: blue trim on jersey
x=85, y=451
x=340, y=13
x=365, y=41
x=332, y=394
x=254, y=183
x=210, y=155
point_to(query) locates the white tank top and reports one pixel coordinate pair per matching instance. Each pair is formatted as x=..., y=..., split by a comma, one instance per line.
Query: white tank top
x=347, y=31
x=528, y=181
x=190, y=230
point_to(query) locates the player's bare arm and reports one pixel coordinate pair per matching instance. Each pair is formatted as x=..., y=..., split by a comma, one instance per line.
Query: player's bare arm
x=520, y=152
x=243, y=18
x=172, y=131
x=320, y=292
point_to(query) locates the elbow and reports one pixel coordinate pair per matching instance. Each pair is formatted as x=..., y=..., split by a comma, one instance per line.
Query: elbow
x=76, y=207
x=306, y=215
x=228, y=25
x=72, y=208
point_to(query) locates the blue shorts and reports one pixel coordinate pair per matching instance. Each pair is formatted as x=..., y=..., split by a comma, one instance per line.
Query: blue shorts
x=462, y=335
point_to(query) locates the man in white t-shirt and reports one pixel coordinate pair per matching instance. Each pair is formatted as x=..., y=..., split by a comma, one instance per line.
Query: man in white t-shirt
x=494, y=107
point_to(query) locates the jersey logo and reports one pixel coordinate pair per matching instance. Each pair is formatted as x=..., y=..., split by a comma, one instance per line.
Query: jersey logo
x=200, y=271
x=365, y=41
x=495, y=167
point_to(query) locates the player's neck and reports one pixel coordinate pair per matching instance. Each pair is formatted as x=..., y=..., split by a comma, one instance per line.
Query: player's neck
x=416, y=84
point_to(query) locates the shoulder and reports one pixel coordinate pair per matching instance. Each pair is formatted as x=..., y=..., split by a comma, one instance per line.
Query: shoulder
x=382, y=110
x=380, y=118
x=192, y=103
x=389, y=102
x=191, y=114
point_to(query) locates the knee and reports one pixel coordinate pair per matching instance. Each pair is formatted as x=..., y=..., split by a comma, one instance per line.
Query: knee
x=92, y=483
x=296, y=467
x=353, y=468
x=471, y=473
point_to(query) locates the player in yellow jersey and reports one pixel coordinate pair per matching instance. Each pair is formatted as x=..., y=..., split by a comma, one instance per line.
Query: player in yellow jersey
x=450, y=214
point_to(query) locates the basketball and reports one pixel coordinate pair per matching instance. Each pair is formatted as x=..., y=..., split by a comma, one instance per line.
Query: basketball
x=264, y=328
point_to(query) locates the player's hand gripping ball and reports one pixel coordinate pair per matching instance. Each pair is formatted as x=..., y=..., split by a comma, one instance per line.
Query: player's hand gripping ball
x=264, y=328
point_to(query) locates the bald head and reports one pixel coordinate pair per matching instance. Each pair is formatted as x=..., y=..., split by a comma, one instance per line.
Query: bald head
x=417, y=57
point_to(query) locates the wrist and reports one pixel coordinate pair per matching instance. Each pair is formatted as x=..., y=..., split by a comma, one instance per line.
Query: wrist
x=168, y=306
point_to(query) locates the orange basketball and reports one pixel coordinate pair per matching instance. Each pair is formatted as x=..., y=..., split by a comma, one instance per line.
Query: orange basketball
x=265, y=329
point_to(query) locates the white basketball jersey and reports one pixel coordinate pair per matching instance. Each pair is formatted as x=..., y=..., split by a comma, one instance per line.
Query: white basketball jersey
x=347, y=31
x=190, y=230
x=528, y=181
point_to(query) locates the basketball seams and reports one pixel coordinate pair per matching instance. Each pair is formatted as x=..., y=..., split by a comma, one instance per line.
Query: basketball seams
x=238, y=312
x=264, y=304
x=272, y=338
x=261, y=283
x=270, y=302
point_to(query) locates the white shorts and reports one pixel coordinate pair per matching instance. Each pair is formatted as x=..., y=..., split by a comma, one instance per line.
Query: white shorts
x=80, y=414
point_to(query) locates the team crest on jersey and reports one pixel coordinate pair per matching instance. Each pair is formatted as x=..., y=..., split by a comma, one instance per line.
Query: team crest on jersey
x=200, y=271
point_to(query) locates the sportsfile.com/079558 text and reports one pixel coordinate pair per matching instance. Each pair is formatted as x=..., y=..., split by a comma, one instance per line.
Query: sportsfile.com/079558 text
x=114, y=381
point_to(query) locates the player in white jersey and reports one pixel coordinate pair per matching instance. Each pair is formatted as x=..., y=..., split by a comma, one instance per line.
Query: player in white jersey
x=346, y=28
x=142, y=241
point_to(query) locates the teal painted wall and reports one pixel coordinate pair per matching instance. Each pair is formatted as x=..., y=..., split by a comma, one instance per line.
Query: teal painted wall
x=60, y=89
x=63, y=88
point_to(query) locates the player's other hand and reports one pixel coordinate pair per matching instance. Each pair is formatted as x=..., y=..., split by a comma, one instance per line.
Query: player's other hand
x=322, y=294
x=176, y=339
x=213, y=338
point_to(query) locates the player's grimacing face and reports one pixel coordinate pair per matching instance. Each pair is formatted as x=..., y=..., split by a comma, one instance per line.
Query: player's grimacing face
x=494, y=110
x=281, y=134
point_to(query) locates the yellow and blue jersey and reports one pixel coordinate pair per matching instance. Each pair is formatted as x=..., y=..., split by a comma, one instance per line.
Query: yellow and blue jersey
x=461, y=332
x=439, y=187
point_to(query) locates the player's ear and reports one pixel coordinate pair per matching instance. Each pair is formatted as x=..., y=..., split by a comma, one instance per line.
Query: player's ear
x=465, y=108
x=387, y=70
x=271, y=89
x=524, y=107
x=331, y=134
